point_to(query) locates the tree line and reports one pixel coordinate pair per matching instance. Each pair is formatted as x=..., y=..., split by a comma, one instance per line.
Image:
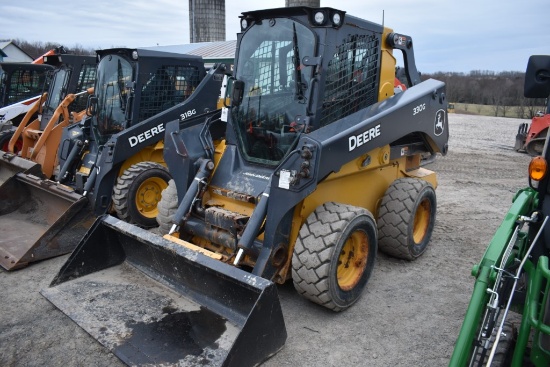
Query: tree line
x=502, y=92
x=35, y=49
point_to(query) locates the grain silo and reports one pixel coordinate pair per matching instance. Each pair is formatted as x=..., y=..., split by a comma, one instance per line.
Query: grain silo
x=311, y=3
x=206, y=20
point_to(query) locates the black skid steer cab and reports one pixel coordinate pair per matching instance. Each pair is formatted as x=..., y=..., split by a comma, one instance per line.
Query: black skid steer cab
x=111, y=161
x=319, y=165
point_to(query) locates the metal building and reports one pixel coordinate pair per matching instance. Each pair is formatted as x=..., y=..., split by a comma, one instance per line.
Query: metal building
x=206, y=20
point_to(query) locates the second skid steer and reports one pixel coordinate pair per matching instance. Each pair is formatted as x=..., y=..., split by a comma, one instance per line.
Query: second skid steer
x=32, y=144
x=21, y=85
x=111, y=161
x=319, y=166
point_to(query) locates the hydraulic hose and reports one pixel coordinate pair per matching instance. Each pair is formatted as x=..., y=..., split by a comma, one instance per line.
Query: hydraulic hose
x=69, y=161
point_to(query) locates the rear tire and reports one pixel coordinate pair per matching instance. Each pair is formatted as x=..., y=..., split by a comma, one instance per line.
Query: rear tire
x=334, y=255
x=406, y=218
x=138, y=192
x=167, y=207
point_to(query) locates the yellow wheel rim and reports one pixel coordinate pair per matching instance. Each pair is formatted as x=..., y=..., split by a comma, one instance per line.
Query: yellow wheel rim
x=422, y=220
x=352, y=260
x=148, y=196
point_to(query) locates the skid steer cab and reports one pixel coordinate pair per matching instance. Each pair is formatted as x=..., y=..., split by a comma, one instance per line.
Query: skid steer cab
x=21, y=85
x=507, y=322
x=111, y=160
x=319, y=165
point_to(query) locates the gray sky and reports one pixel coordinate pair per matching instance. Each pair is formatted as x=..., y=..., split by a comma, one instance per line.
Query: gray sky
x=496, y=35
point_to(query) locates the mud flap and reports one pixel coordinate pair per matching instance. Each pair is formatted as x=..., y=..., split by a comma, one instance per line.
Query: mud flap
x=11, y=164
x=151, y=301
x=39, y=219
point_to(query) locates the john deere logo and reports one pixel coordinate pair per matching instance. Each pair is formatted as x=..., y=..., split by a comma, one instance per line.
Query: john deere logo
x=439, y=122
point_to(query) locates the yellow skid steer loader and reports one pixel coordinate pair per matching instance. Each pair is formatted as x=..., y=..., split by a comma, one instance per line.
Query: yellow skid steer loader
x=109, y=162
x=321, y=163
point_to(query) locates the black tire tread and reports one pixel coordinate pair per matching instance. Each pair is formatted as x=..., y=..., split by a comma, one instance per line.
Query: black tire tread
x=167, y=207
x=313, y=251
x=122, y=186
x=394, y=216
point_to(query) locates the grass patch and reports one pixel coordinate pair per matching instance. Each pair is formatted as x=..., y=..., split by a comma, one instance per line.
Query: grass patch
x=487, y=110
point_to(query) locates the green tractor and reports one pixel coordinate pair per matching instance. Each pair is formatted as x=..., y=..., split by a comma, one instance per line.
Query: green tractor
x=507, y=322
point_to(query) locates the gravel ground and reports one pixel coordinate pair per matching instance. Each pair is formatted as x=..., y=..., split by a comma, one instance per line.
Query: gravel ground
x=409, y=315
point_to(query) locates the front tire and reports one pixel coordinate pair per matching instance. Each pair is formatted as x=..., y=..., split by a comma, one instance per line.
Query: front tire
x=406, y=218
x=167, y=207
x=138, y=191
x=334, y=255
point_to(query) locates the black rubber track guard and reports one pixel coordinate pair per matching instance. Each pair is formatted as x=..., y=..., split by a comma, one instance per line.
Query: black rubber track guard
x=151, y=301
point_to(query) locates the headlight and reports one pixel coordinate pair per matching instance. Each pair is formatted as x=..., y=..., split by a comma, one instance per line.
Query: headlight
x=336, y=19
x=319, y=17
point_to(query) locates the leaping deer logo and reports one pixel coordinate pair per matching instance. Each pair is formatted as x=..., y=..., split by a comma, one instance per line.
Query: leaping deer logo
x=439, y=119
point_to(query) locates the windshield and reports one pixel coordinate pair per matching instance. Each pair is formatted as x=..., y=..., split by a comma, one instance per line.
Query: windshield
x=275, y=88
x=113, y=72
x=56, y=91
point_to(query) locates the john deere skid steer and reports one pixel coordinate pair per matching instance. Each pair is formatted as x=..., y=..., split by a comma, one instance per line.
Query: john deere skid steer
x=319, y=165
x=507, y=322
x=109, y=162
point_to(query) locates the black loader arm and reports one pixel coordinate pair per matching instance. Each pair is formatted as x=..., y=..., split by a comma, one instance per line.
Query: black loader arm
x=405, y=45
x=128, y=142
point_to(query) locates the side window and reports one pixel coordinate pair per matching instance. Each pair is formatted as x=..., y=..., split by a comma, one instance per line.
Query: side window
x=168, y=86
x=187, y=79
x=21, y=86
x=86, y=80
x=352, y=77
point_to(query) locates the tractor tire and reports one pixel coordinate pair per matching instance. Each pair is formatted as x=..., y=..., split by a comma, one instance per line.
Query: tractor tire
x=137, y=193
x=406, y=218
x=167, y=207
x=505, y=348
x=334, y=237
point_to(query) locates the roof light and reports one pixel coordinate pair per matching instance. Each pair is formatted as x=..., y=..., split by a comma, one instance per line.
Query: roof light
x=537, y=168
x=244, y=24
x=319, y=17
x=134, y=55
x=336, y=19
